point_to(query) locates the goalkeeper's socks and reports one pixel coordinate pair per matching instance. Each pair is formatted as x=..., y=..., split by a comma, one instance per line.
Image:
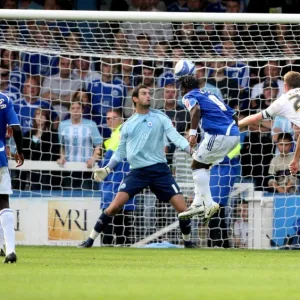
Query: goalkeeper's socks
x=185, y=227
x=7, y=221
x=102, y=222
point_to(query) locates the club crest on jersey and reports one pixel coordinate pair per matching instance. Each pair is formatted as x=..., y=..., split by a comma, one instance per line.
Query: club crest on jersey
x=149, y=124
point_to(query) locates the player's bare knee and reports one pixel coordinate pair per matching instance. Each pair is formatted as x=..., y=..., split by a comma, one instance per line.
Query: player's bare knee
x=4, y=201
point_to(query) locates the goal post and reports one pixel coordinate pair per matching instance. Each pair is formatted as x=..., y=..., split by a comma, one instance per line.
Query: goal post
x=51, y=59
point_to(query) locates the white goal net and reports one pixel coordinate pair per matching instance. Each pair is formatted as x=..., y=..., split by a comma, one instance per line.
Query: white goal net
x=70, y=76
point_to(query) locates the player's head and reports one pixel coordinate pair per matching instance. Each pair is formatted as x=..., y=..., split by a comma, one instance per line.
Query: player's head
x=188, y=83
x=141, y=96
x=284, y=143
x=291, y=80
x=114, y=118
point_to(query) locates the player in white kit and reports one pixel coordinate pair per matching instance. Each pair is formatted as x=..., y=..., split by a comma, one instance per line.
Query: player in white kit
x=287, y=106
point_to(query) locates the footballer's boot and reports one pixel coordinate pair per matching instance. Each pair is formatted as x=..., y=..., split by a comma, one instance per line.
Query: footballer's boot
x=2, y=252
x=10, y=258
x=210, y=211
x=192, y=211
x=86, y=244
x=189, y=244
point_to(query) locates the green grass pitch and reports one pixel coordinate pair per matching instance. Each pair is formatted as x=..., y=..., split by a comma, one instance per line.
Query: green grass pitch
x=122, y=273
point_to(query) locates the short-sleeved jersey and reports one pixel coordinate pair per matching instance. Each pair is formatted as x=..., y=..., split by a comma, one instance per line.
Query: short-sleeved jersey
x=287, y=105
x=79, y=139
x=7, y=117
x=106, y=96
x=216, y=116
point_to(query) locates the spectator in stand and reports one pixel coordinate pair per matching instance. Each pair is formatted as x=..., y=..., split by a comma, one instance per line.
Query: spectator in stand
x=178, y=6
x=196, y=5
x=156, y=31
x=9, y=60
x=186, y=37
x=85, y=98
x=272, y=73
x=162, y=50
x=159, y=5
x=289, y=49
x=10, y=4
x=120, y=43
x=29, y=4
x=235, y=69
x=42, y=64
x=280, y=125
x=108, y=92
x=6, y=88
x=40, y=144
x=240, y=226
x=83, y=71
x=114, y=118
x=178, y=115
x=282, y=181
x=261, y=102
x=26, y=106
x=59, y=89
x=204, y=84
x=80, y=142
x=228, y=86
x=143, y=45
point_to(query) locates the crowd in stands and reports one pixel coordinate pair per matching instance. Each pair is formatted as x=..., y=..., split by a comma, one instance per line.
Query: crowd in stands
x=71, y=105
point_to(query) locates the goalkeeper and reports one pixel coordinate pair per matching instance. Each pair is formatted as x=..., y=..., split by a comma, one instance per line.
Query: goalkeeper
x=142, y=142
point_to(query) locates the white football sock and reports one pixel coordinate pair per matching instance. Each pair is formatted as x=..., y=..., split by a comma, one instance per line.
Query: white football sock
x=1, y=237
x=7, y=220
x=202, y=188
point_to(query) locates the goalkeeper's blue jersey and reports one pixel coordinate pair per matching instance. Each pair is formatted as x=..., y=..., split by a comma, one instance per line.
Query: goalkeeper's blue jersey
x=216, y=116
x=143, y=138
x=7, y=117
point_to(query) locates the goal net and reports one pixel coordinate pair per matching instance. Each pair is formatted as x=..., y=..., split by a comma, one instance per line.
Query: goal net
x=70, y=76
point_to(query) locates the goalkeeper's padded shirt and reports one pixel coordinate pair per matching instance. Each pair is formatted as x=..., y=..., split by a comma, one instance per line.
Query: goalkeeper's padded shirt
x=143, y=139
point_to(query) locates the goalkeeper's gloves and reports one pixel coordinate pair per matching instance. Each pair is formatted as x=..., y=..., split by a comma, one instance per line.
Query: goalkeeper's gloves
x=100, y=174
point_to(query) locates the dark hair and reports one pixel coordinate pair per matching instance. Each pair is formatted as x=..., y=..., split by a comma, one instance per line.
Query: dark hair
x=189, y=82
x=44, y=112
x=285, y=136
x=74, y=99
x=136, y=90
x=118, y=111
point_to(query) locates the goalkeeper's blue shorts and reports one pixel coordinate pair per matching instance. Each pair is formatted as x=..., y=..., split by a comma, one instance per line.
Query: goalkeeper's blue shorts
x=157, y=177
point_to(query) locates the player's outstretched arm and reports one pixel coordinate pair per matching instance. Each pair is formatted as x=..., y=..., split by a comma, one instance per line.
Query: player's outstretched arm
x=250, y=120
x=18, y=137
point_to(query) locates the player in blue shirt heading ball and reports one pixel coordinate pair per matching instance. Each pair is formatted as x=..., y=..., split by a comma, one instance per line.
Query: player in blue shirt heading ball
x=221, y=135
x=9, y=118
x=142, y=142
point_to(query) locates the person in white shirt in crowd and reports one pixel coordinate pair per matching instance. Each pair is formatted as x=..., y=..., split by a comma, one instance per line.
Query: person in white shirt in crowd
x=240, y=227
x=59, y=88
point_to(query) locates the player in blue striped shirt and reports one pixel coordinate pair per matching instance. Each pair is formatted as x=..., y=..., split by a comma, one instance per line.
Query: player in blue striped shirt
x=142, y=142
x=9, y=118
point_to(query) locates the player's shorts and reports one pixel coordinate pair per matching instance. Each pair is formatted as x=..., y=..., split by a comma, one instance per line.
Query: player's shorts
x=157, y=177
x=214, y=148
x=5, y=181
